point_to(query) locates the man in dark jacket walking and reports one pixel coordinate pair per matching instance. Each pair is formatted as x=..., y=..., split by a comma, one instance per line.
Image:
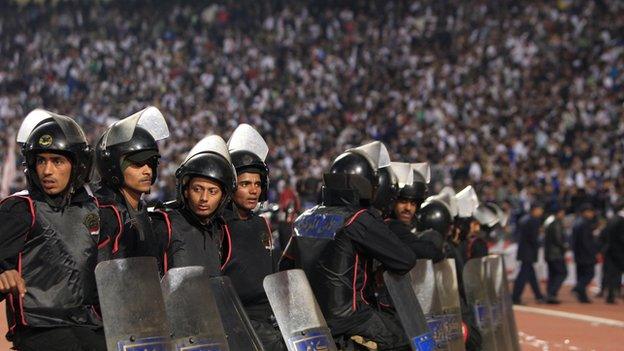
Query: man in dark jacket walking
x=555, y=247
x=528, y=245
x=585, y=250
x=613, y=250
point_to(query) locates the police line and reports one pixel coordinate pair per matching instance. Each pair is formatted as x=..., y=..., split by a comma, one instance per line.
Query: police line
x=190, y=310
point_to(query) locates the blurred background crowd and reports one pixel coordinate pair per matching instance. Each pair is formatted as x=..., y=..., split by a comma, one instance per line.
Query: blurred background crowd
x=523, y=100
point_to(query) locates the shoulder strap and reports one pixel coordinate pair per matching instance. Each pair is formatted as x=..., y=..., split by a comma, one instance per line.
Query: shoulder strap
x=169, y=234
x=226, y=235
x=31, y=207
x=354, y=217
x=119, y=225
x=268, y=226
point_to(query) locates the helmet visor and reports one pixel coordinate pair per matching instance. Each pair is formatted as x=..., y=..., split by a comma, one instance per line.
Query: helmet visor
x=246, y=138
x=150, y=119
x=70, y=128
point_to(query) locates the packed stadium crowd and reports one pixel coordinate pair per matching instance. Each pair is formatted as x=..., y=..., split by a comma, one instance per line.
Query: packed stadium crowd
x=522, y=100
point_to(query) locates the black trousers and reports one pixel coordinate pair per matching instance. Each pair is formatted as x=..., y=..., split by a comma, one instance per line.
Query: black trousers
x=584, y=276
x=382, y=327
x=263, y=323
x=557, y=273
x=612, y=277
x=526, y=274
x=60, y=339
x=270, y=336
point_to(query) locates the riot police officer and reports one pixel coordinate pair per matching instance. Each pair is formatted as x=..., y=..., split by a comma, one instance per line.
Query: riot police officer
x=336, y=243
x=251, y=257
x=127, y=159
x=438, y=212
x=49, y=241
x=194, y=221
x=413, y=179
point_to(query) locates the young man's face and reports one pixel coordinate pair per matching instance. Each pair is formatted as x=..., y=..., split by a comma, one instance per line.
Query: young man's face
x=53, y=171
x=248, y=190
x=203, y=196
x=138, y=177
x=405, y=210
x=475, y=227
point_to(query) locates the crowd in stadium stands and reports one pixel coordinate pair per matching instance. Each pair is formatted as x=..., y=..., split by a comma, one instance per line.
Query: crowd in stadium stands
x=523, y=100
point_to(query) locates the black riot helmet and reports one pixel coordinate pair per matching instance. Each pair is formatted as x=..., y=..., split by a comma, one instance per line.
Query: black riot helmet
x=413, y=180
x=435, y=215
x=415, y=191
x=132, y=138
x=44, y=131
x=248, y=152
x=247, y=162
x=208, y=159
x=387, y=190
x=363, y=176
x=487, y=217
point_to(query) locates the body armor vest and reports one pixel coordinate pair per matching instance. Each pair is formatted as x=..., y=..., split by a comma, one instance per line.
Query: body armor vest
x=195, y=246
x=57, y=263
x=251, y=258
x=337, y=272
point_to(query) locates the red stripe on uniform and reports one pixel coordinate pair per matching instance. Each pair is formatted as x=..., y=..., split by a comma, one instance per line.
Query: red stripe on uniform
x=229, y=239
x=354, y=287
x=355, y=216
x=169, y=233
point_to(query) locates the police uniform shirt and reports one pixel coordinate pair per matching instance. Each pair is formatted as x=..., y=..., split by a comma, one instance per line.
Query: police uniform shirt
x=251, y=256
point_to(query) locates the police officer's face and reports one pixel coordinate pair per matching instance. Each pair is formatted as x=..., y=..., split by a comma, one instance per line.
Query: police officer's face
x=203, y=196
x=405, y=210
x=475, y=227
x=54, y=172
x=138, y=177
x=248, y=190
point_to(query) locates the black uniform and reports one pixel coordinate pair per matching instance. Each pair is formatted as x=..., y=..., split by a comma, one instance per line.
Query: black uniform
x=473, y=247
x=458, y=253
x=137, y=237
x=554, y=252
x=342, y=272
x=613, y=255
x=585, y=249
x=528, y=246
x=425, y=245
x=251, y=259
x=55, y=249
x=188, y=242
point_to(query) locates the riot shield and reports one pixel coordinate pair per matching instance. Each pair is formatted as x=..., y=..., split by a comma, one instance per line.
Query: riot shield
x=508, y=333
x=410, y=312
x=192, y=310
x=423, y=282
x=478, y=298
x=238, y=330
x=297, y=312
x=132, y=305
x=448, y=296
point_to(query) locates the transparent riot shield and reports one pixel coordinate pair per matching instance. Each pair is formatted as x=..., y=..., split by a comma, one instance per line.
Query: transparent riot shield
x=132, y=305
x=410, y=312
x=448, y=295
x=297, y=312
x=422, y=278
x=477, y=296
x=503, y=307
x=238, y=330
x=192, y=310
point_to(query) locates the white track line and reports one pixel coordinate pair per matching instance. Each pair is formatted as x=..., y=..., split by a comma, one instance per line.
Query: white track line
x=570, y=315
